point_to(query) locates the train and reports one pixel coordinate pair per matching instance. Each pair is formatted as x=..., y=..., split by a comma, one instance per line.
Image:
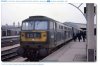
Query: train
x=40, y=35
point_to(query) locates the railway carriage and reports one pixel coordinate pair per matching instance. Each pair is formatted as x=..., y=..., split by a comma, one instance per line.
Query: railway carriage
x=40, y=34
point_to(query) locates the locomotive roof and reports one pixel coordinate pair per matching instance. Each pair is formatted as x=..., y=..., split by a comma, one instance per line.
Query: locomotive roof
x=39, y=18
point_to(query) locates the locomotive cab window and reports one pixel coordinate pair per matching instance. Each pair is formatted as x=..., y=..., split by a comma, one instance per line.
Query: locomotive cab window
x=41, y=25
x=28, y=26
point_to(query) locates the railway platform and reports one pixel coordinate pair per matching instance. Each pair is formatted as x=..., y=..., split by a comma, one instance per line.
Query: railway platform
x=71, y=52
x=9, y=47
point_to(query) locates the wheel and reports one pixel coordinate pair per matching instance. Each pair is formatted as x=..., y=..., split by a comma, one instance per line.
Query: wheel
x=43, y=52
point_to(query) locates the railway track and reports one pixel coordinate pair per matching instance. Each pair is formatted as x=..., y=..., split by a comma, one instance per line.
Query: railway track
x=9, y=40
x=9, y=54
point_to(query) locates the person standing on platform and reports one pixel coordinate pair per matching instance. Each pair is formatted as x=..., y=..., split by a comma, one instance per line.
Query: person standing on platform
x=83, y=36
x=74, y=37
x=79, y=36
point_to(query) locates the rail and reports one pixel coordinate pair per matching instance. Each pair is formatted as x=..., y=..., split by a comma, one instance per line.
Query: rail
x=8, y=37
x=9, y=40
x=9, y=54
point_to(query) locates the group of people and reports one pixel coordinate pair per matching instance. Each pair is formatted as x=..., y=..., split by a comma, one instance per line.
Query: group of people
x=80, y=35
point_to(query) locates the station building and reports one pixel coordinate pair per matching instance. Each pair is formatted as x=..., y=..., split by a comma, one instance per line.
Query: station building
x=9, y=30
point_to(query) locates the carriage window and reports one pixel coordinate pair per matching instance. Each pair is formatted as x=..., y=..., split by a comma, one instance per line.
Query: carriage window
x=54, y=26
x=61, y=27
x=28, y=26
x=41, y=25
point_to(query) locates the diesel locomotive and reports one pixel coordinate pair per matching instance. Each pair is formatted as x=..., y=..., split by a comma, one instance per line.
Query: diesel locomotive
x=40, y=34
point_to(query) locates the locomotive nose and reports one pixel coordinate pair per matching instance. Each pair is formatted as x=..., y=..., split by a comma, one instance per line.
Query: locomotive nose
x=35, y=36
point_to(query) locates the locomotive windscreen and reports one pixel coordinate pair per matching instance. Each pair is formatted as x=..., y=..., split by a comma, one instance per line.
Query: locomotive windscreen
x=35, y=25
x=41, y=25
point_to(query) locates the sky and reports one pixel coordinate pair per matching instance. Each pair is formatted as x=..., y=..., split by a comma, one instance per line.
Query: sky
x=63, y=12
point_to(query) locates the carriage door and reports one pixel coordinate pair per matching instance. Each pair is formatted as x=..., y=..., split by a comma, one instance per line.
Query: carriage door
x=55, y=33
x=65, y=35
x=52, y=34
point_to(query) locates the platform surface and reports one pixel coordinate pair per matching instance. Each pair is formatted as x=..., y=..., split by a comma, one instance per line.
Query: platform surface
x=9, y=47
x=71, y=52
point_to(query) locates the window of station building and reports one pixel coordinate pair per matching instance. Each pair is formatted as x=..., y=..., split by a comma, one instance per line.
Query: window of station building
x=3, y=32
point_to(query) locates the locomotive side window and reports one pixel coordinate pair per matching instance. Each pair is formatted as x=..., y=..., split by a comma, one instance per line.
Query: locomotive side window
x=41, y=25
x=51, y=25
